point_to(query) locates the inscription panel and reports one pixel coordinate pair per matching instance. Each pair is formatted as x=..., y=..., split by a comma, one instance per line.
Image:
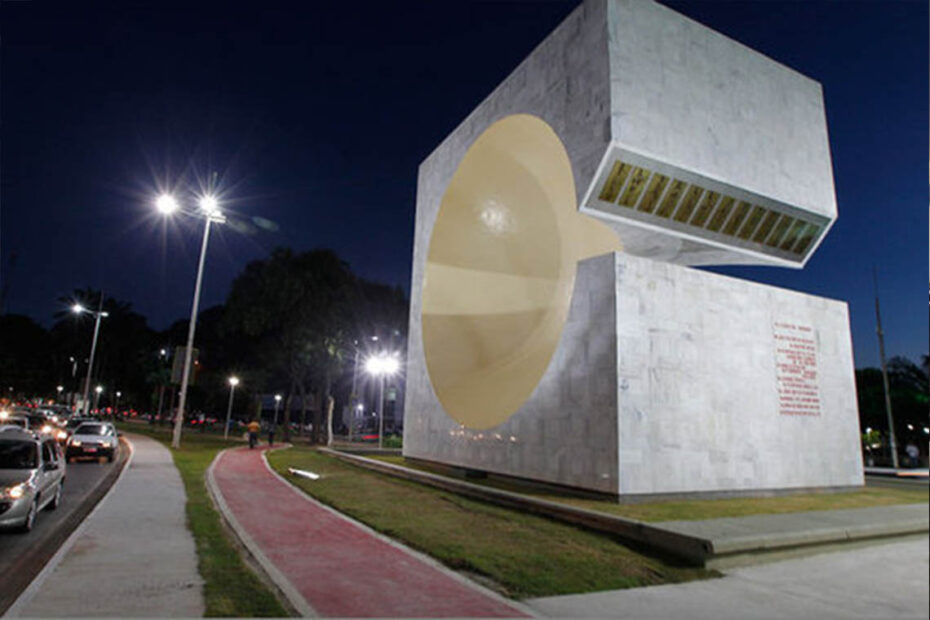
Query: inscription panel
x=796, y=375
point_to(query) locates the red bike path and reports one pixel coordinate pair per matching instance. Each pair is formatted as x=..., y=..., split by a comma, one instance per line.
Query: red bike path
x=339, y=567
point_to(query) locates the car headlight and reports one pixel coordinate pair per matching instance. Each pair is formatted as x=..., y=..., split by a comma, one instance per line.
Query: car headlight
x=75, y=442
x=46, y=429
x=16, y=491
x=62, y=435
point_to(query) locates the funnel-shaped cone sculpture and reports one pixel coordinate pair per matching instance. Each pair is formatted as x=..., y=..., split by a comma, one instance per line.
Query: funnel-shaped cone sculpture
x=500, y=270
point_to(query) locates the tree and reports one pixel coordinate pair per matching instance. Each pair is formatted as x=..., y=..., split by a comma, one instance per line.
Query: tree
x=909, y=399
x=295, y=309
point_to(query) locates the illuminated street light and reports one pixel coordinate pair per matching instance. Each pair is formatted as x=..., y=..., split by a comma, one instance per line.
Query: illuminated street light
x=210, y=212
x=233, y=382
x=277, y=401
x=98, y=314
x=166, y=204
x=209, y=205
x=60, y=389
x=97, y=392
x=381, y=366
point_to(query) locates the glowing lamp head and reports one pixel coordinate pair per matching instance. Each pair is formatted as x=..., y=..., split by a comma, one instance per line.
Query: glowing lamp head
x=209, y=205
x=234, y=381
x=382, y=365
x=277, y=398
x=166, y=204
x=77, y=308
x=98, y=389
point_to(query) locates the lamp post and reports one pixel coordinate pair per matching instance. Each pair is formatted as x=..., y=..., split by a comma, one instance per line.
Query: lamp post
x=116, y=406
x=73, y=384
x=98, y=314
x=97, y=392
x=381, y=366
x=210, y=211
x=277, y=401
x=59, y=389
x=233, y=382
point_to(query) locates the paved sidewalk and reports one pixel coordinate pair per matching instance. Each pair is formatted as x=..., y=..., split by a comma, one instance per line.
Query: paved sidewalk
x=881, y=581
x=330, y=565
x=132, y=557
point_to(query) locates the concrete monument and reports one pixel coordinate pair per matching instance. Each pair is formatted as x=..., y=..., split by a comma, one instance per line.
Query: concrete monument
x=558, y=328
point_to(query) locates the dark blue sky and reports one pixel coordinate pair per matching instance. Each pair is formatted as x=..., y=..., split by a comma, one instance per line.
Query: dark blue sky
x=316, y=116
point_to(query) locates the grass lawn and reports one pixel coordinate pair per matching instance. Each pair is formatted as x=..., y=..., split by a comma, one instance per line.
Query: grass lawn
x=524, y=555
x=693, y=510
x=231, y=589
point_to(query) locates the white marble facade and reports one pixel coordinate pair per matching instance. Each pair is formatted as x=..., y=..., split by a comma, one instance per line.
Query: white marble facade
x=666, y=378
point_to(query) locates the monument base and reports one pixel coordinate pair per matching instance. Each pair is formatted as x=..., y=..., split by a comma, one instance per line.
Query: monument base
x=670, y=380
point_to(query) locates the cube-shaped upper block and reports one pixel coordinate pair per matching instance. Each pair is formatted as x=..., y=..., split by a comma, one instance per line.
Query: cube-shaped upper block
x=694, y=148
x=711, y=140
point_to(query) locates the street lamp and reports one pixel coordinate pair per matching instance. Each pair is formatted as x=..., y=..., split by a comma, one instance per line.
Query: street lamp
x=97, y=392
x=116, y=406
x=233, y=382
x=210, y=212
x=60, y=389
x=381, y=366
x=98, y=314
x=277, y=401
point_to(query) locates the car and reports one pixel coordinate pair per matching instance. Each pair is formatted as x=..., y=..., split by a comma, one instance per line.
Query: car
x=14, y=419
x=94, y=439
x=75, y=422
x=32, y=472
x=46, y=426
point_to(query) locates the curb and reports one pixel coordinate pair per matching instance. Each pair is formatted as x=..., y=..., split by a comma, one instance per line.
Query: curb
x=402, y=547
x=26, y=596
x=284, y=585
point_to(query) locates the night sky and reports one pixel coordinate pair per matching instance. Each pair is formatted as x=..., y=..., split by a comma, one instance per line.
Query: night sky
x=315, y=117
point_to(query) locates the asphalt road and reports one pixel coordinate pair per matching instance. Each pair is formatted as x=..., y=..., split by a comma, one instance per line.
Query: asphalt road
x=22, y=556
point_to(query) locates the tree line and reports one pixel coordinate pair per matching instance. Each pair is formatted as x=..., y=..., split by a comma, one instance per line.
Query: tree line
x=294, y=323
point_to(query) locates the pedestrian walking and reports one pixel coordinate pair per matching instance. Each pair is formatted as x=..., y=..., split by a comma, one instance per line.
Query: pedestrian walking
x=254, y=427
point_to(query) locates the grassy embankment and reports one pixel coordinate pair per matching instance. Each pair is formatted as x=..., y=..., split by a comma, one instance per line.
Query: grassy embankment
x=693, y=510
x=231, y=589
x=522, y=555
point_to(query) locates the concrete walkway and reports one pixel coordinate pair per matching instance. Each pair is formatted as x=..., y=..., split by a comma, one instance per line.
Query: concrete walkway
x=132, y=557
x=741, y=540
x=881, y=581
x=329, y=565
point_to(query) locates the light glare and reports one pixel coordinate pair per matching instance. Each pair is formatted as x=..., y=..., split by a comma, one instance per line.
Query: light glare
x=77, y=308
x=234, y=381
x=382, y=365
x=166, y=204
x=209, y=204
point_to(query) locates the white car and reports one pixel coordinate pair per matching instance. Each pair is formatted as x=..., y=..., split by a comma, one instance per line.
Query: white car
x=31, y=474
x=93, y=439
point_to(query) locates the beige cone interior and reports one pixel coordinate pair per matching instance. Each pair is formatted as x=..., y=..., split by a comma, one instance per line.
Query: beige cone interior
x=500, y=270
